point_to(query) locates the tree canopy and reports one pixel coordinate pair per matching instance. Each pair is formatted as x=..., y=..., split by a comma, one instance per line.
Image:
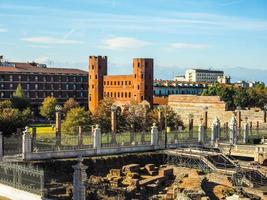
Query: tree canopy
x=47, y=108
x=12, y=118
x=235, y=96
x=76, y=117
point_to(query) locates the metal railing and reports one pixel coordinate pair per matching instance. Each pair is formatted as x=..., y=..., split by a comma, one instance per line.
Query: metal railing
x=22, y=177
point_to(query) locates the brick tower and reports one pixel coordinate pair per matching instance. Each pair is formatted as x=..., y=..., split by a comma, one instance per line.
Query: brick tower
x=143, y=79
x=97, y=71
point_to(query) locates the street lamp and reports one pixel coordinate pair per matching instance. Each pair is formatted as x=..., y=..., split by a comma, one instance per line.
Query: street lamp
x=238, y=108
x=265, y=108
x=206, y=116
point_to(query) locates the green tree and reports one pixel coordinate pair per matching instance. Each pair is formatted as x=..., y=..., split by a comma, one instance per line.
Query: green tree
x=18, y=100
x=47, y=108
x=102, y=115
x=12, y=118
x=76, y=117
x=69, y=104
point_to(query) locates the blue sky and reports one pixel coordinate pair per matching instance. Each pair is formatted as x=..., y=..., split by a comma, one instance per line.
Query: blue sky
x=177, y=33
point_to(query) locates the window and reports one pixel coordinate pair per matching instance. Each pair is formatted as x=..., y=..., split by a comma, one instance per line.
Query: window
x=138, y=87
x=2, y=94
x=95, y=76
x=142, y=98
x=93, y=67
x=125, y=94
x=104, y=82
x=36, y=78
x=125, y=82
x=10, y=78
x=122, y=83
x=130, y=94
x=122, y=95
x=118, y=94
x=138, y=64
x=90, y=98
x=118, y=82
x=134, y=75
x=114, y=94
x=107, y=82
x=110, y=82
x=11, y=85
x=19, y=77
x=36, y=86
x=130, y=82
x=89, y=77
x=111, y=94
x=142, y=76
x=93, y=86
x=67, y=86
x=115, y=82
x=74, y=87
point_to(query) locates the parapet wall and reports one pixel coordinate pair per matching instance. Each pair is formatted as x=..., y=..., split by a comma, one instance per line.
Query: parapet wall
x=186, y=105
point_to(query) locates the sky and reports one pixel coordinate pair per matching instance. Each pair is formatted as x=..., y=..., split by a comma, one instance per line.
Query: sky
x=178, y=34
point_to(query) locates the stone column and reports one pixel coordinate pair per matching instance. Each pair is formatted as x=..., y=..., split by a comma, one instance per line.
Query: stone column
x=245, y=133
x=58, y=125
x=154, y=135
x=80, y=136
x=201, y=133
x=113, y=123
x=1, y=145
x=233, y=130
x=97, y=137
x=215, y=130
x=79, y=181
x=26, y=143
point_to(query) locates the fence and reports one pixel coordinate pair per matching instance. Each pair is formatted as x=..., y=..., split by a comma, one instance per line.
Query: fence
x=22, y=177
x=12, y=145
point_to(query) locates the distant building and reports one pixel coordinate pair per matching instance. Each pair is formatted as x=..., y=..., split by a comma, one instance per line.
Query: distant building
x=180, y=78
x=167, y=87
x=247, y=84
x=137, y=86
x=224, y=79
x=39, y=81
x=203, y=75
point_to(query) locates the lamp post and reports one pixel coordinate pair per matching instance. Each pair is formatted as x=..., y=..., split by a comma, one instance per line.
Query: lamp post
x=265, y=108
x=238, y=117
x=190, y=125
x=113, y=122
x=205, y=117
x=58, y=110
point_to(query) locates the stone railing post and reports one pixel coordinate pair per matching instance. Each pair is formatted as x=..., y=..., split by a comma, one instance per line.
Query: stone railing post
x=26, y=143
x=97, y=137
x=215, y=130
x=79, y=181
x=113, y=123
x=233, y=131
x=1, y=145
x=245, y=133
x=154, y=135
x=201, y=133
x=80, y=136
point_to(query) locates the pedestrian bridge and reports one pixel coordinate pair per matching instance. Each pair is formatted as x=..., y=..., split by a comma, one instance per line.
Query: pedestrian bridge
x=256, y=152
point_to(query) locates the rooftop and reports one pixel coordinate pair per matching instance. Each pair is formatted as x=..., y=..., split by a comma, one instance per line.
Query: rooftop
x=37, y=68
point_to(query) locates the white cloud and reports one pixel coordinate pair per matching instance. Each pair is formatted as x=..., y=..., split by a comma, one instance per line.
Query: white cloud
x=188, y=46
x=49, y=40
x=118, y=43
x=3, y=30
